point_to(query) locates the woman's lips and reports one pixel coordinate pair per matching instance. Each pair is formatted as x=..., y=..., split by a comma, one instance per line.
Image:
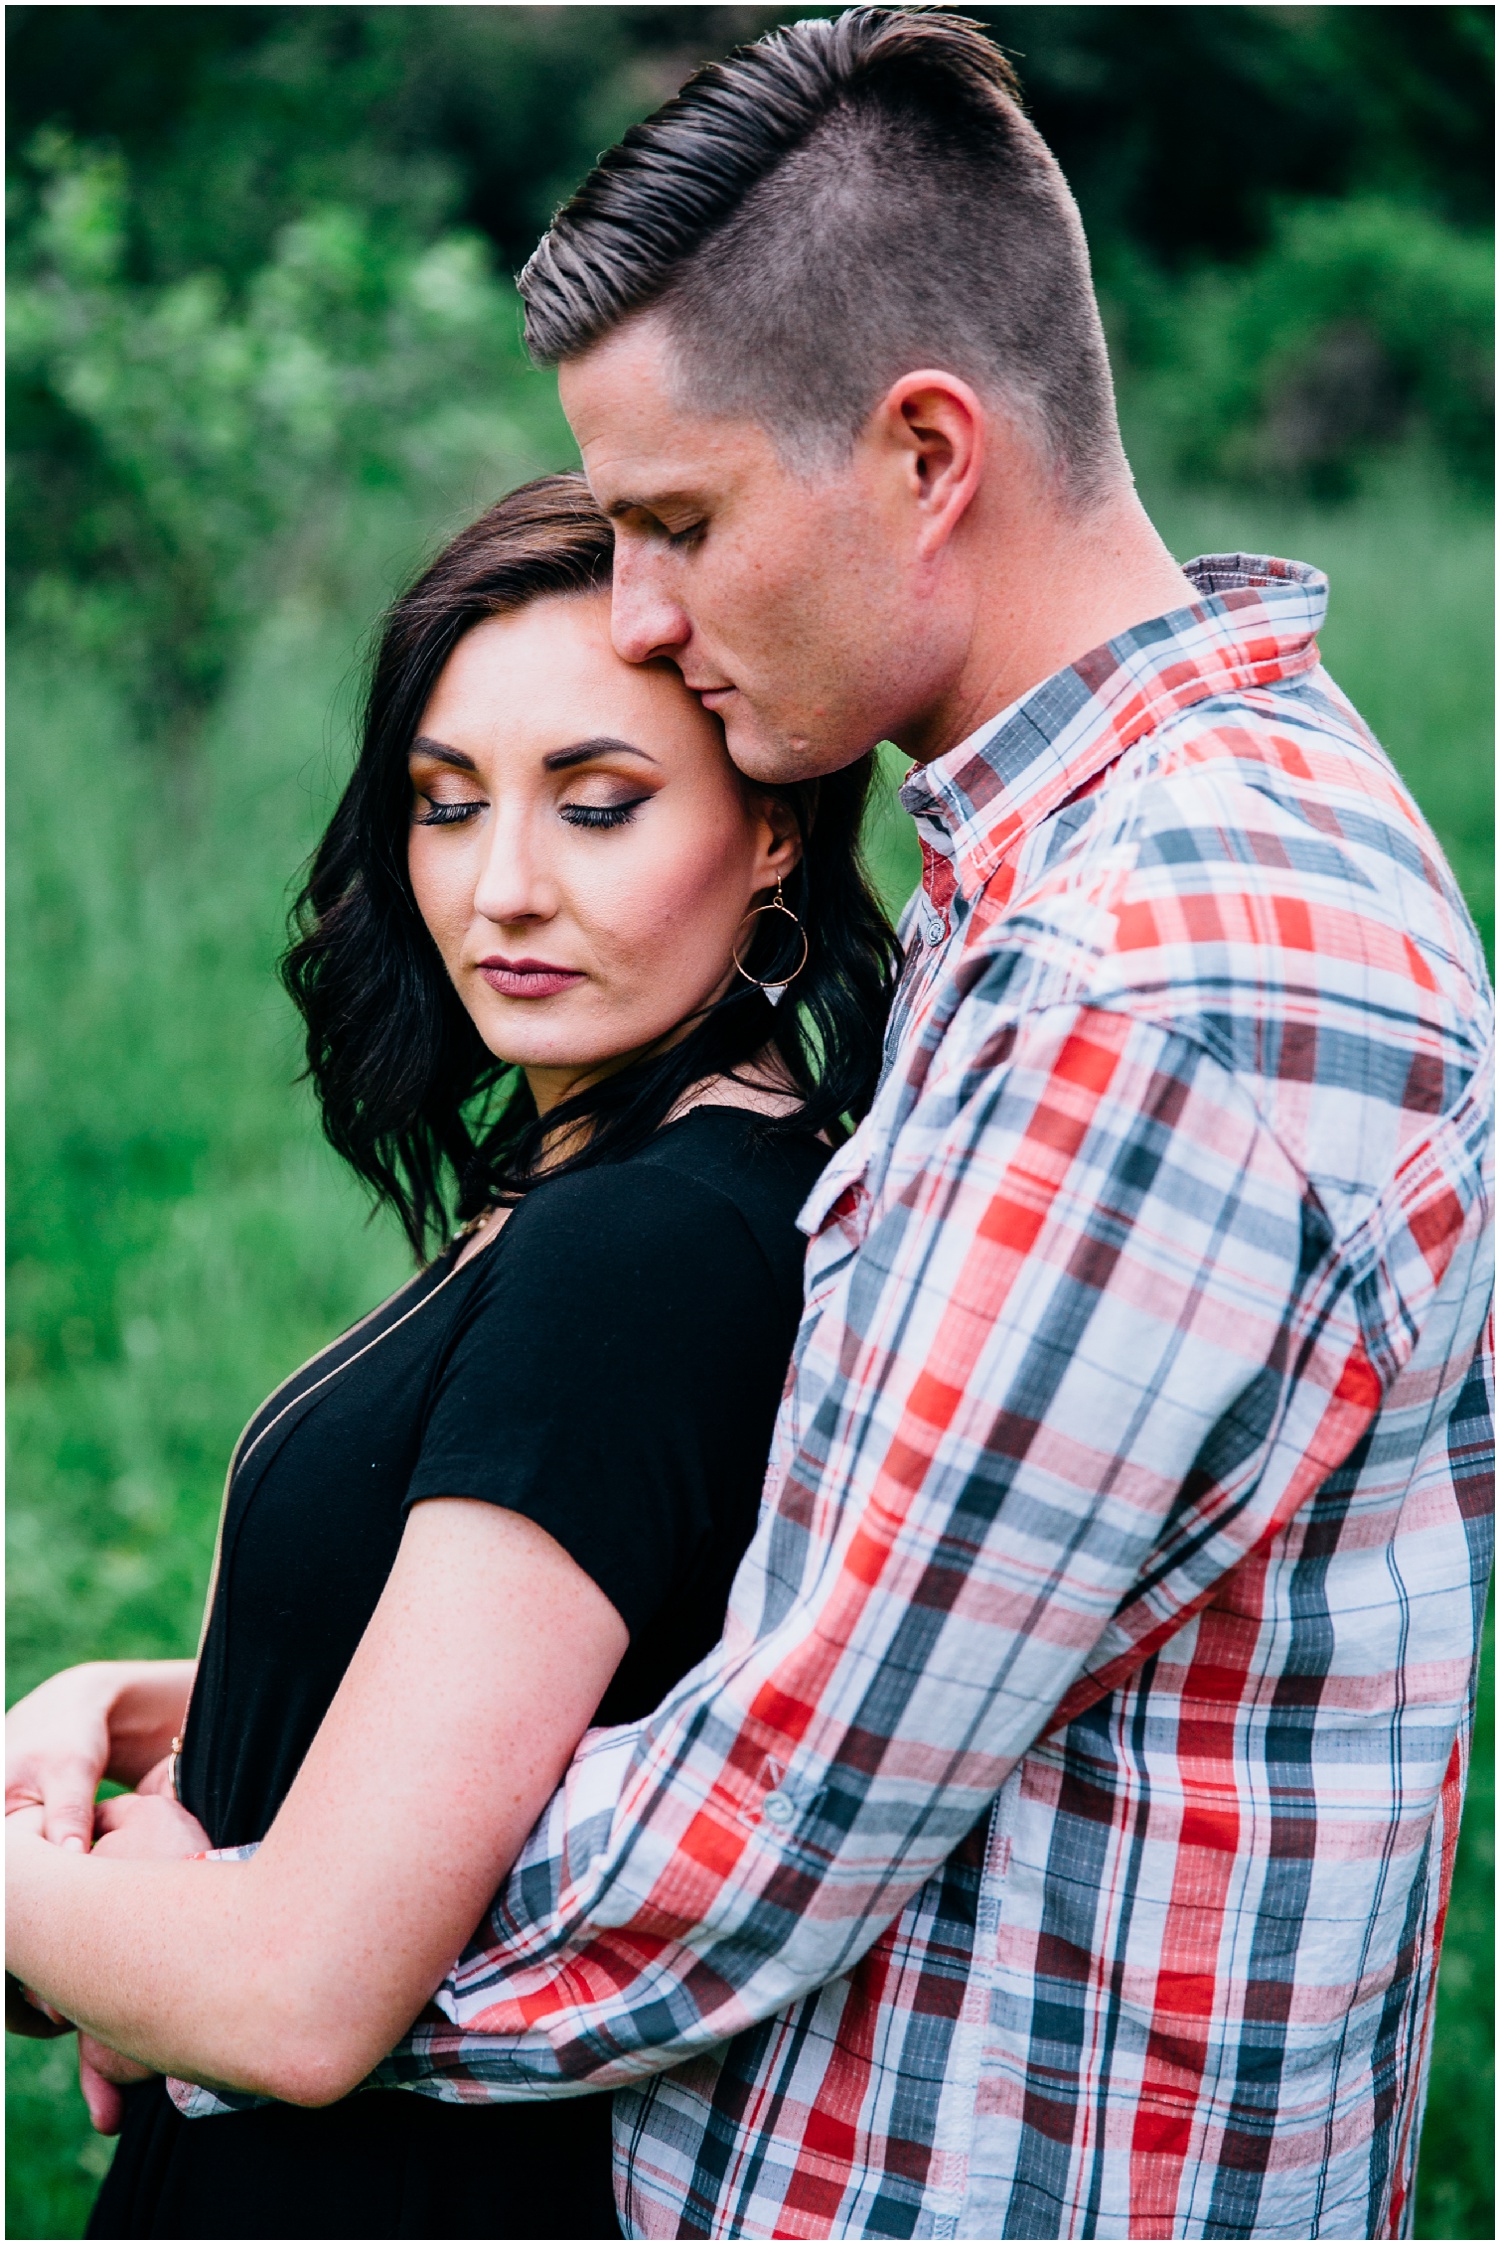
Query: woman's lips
x=527, y=978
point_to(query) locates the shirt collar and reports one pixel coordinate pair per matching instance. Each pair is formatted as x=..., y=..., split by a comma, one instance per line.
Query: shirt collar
x=1256, y=623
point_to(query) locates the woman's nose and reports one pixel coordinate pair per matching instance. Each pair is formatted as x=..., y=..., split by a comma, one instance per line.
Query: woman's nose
x=646, y=620
x=513, y=882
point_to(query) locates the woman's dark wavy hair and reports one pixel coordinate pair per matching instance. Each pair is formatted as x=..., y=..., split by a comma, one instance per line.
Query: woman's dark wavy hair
x=411, y=1097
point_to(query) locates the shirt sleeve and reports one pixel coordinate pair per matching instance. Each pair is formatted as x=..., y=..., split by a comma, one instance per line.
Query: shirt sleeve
x=1081, y=1355
x=615, y=1379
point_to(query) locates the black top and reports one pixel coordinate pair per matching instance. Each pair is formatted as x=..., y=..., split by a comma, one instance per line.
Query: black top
x=610, y=1366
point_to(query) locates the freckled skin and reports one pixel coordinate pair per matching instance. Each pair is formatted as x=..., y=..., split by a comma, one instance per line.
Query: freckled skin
x=908, y=590
x=645, y=911
x=800, y=598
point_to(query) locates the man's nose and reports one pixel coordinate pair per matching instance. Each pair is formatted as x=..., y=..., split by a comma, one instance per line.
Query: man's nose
x=646, y=620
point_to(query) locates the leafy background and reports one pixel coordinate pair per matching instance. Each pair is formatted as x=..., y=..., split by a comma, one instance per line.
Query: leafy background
x=264, y=353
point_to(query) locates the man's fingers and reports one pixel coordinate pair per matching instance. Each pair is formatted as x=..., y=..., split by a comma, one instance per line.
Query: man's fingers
x=111, y=2065
x=158, y=1779
x=102, y=2073
x=128, y=1825
x=105, y=2103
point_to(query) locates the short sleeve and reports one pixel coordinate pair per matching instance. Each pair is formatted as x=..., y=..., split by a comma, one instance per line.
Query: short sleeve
x=615, y=1379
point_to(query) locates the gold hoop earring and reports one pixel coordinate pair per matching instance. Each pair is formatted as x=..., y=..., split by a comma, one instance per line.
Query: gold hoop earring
x=775, y=991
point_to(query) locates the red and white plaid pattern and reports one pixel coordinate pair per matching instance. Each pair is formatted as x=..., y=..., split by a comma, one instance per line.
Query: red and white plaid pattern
x=1058, y=1843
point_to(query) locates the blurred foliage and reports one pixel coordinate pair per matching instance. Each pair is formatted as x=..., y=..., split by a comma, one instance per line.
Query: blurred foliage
x=252, y=252
x=1179, y=127
x=263, y=357
x=1362, y=323
x=196, y=430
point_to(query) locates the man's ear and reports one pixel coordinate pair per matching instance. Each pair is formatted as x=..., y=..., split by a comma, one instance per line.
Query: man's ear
x=935, y=425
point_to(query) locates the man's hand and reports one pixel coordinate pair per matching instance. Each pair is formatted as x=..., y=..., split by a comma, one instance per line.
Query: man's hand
x=102, y=2074
x=158, y=1779
x=147, y=1827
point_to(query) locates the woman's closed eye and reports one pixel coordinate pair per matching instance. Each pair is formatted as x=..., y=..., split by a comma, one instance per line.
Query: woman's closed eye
x=440, y=813
x=600, y=814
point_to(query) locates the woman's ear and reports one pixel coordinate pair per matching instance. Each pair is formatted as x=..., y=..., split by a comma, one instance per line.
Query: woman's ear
x=780, y=841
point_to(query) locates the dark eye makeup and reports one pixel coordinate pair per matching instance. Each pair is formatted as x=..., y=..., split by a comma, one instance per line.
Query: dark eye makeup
x=600, y=814
x=595, y=815
x=447, y=814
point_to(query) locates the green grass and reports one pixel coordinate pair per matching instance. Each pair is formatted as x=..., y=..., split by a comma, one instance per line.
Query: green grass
x=180, y=1238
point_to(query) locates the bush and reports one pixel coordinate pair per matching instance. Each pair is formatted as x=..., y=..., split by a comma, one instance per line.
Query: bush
x=177, y=448
x=1365, y=325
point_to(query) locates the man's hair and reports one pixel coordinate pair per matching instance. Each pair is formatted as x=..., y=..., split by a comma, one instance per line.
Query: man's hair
x=842, y=202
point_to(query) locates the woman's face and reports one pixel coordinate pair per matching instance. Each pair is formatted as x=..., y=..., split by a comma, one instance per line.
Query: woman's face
x=582, y=849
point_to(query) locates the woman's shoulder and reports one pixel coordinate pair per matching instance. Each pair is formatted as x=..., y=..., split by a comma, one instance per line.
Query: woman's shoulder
x=740, y=1152
x=711, y=1193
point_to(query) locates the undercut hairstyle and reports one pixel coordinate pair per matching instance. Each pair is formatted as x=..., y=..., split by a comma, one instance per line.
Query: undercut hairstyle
x=411, y=1096
x=838, y=204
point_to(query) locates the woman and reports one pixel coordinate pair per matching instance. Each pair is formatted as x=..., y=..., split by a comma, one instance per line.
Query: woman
x=509, y=1504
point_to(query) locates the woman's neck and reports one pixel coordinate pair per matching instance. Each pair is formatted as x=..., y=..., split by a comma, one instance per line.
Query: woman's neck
x=763, y=1085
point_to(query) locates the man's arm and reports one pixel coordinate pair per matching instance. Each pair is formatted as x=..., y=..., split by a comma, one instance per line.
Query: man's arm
x=1089, y=1353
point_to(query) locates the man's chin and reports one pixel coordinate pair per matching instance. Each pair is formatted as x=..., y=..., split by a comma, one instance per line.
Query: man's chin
x=770, y=758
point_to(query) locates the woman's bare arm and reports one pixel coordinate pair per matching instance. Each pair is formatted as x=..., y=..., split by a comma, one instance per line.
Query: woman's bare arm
x=292, y=1974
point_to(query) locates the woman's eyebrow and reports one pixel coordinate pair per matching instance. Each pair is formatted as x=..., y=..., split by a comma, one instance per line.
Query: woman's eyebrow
x=422, y=746
x=584, y=752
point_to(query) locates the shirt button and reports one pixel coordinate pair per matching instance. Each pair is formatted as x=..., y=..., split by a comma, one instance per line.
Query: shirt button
x=777, y=1809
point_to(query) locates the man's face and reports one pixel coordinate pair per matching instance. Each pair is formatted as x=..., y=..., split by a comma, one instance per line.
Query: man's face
x=790, y=605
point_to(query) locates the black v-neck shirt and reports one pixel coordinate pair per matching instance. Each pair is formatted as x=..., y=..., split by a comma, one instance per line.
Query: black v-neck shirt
x=609, y=1365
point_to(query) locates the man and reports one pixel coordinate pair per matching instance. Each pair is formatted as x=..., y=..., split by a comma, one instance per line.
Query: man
x=1058, y=1843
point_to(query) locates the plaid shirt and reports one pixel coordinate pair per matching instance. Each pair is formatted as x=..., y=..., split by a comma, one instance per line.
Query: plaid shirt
x=1058, y=1843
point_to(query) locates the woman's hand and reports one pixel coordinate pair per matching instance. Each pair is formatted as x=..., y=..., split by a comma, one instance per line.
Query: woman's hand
x=148, y=1827
x=106, y=1718
x=61, y=1738
x=292, y=1974
x=57, y=1748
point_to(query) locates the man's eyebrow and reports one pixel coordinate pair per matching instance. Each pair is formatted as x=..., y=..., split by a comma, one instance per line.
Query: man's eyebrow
x=584, y=752
x=658, y=503
x=422, y=746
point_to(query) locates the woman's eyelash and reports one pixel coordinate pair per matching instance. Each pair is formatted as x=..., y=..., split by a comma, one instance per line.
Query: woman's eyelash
x=447, y=814
x=599, y=814
x=575, y=814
